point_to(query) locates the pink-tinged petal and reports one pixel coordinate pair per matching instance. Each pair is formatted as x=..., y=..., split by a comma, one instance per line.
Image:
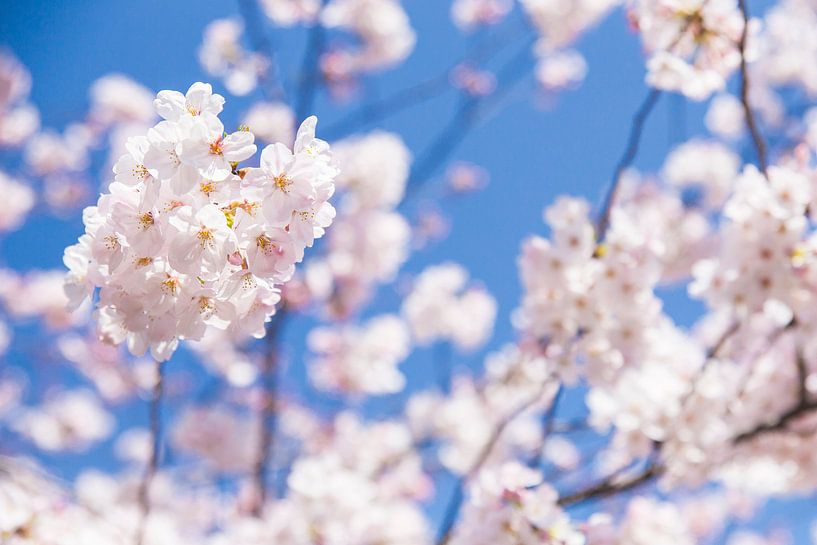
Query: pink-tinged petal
x=169, y=104
x=239, y=146
x=276, y=158
x=306, y=133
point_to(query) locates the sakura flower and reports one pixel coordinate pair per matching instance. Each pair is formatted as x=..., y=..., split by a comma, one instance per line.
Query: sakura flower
x=182, y=244
x=199, y=99
x=201, y=245
x=208, y=149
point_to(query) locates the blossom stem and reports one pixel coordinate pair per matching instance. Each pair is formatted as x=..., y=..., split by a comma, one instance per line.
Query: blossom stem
x=751, y=123
x=143, y=495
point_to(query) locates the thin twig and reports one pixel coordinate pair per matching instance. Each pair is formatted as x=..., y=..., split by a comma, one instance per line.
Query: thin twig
x=262, y=44
x=757, y=139
x=626, y=160
x=143, y=496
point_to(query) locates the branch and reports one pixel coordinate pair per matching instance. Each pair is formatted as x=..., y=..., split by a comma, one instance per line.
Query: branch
x=266, y=418
x=612, y=486
x=420, y=92
x=803, y=406
x=780, y=424
x=630, y=152
x=467, y=116
x=251, y=14
x=757, y=139
x=452, y=510
x=309, y=70
x=143, y=496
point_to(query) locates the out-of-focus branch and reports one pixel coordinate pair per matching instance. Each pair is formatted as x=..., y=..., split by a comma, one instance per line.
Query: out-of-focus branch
x=612, y=485
x=751, y=123
x=143, y=494
x=310, y=74
x=802, y=408
x=626, y=160
x=804, y=404
x=418, y=93
x=262, y=44
x=470, y=112
x=452, y=510
x=267, y=412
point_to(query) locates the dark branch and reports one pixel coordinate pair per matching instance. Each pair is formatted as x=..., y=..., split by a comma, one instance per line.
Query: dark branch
x=611, y=486
x=310, y=74
x=143, y=494
x=266, y=418
x=780, y=424
x=757, y=139
x=630, y=152
x=467, y=116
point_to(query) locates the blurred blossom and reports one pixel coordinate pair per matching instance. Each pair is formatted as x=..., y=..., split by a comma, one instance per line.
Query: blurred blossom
x=116, y=98
x=271, y=122
x=18, y=120
x=291, y=12
x=441, y=306
x=465, y=177
x=360, y=360
x=725, y=117
x=70, y=420
x=470, y=14
x=222, y=55
x=562, y=70
x=50, y=153
x=18, y=200
x=472, y=81
x=382, y=28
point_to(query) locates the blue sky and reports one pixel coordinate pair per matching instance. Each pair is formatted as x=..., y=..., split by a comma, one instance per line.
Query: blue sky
x=533, y=151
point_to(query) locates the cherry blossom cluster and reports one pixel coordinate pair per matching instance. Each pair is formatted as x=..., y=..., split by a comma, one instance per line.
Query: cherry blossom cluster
x=511, y=504
x=360, y=360
x=442, y=307
x=184, y=240
x=693, y=46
